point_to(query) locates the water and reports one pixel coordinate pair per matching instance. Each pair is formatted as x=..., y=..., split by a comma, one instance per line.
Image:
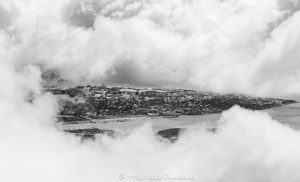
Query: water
x=288, y=115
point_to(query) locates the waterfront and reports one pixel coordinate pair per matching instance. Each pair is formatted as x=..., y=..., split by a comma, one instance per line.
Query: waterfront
x=287, y=114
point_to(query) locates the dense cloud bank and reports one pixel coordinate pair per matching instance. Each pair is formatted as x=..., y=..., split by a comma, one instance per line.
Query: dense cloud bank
x=245, y=46
x=247, y=146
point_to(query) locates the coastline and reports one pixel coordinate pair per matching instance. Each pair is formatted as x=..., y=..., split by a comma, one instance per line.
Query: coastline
x=124, y=118
x=123, y=126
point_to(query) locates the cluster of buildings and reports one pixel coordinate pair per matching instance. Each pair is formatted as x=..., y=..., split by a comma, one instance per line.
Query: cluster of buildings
x=83, y=102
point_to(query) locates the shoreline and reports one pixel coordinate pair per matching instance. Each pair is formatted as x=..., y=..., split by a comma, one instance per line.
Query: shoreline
x=286, y=114
x=110, y=118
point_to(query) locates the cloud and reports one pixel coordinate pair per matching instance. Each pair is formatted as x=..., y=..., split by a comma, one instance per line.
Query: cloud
x=280, y=58
x=215, y=45
x=247, y=146
x=226, y=46
x=5, y=18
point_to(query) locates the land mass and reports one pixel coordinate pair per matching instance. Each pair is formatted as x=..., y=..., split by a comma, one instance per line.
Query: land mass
x=85, y=103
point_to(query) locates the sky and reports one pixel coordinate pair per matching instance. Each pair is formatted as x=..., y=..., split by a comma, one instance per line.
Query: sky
x=226, y=46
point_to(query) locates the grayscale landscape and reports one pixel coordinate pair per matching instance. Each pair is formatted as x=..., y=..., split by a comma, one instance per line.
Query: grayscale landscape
x=149, y=90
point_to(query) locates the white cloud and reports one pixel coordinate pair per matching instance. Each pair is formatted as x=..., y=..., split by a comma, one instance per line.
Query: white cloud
x=207, y=45
x=227, y=46
x=248, y=146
